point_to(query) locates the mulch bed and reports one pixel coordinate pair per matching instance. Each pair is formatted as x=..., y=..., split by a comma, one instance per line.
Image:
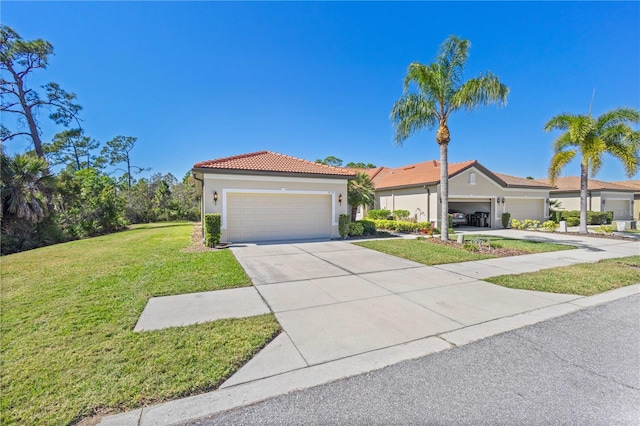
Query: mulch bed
x=196, y=241
x=591, y=234
x=484, y=249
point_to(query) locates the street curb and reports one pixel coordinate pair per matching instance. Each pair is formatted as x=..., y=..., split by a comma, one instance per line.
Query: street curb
x=221, y=400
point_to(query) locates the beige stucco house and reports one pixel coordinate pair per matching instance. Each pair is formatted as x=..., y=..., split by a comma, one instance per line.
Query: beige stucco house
x=602, y=196
x=473, y=189
x=266, y=196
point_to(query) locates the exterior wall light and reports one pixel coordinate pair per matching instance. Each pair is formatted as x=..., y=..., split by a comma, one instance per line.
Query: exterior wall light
x=502, y=200
x=340, y=199
x=215, y=197
x=498, y=200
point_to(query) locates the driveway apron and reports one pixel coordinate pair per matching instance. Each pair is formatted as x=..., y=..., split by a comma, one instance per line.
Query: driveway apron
x=335, y=300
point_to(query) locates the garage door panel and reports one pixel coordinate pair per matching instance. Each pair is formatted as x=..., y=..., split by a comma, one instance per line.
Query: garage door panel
x=525, y=209
x=620, y=208
x=271, y=217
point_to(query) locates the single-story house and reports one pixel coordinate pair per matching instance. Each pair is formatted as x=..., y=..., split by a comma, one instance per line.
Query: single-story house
x=602, y=196
x=635, y=185
x=473, y=189
x=266, y=196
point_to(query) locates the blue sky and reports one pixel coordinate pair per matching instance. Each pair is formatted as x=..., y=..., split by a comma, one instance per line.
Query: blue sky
x=201, y=80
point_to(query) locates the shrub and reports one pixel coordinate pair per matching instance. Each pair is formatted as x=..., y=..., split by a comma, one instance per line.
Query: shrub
x=505, y=219
x=605, y=229
x=356, y=229
x=212, y=224
x=406, y=227
x=425, y=228
x=379, y=214
x=400, y=226
x=525, y=224
x=385, y=224
x=450, y=217
x=401, y=215
x=369, y=226
x=573, y=221
x=343, y=225
x=470, y=246
x=550, y=226
x=570, y=216
x=609, y=216
x=598, y=218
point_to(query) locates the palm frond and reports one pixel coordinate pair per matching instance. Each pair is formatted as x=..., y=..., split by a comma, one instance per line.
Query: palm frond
x=562, y=142
x=480, y=91
x=617, y=116
x=559, y=122
x=627, y=153
x=412, y=112
x=558, y=161
x=452, y=57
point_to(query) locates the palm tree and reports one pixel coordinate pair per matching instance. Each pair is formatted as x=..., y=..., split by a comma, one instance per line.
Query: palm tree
x=26, y=186
x=441, y=91
x=360, y=192
x=591, y=138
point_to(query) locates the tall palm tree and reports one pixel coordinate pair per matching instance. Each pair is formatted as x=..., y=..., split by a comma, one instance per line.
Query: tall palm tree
x=591, y=138
x=26, y=185
x=360, y=192
x=441, y=90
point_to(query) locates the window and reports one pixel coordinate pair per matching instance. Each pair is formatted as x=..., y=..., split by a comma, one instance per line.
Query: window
x=472, y=178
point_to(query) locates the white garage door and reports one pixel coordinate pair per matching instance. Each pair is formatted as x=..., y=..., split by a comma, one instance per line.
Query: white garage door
x=522, y=209
x=620, y=208
x=275, y=217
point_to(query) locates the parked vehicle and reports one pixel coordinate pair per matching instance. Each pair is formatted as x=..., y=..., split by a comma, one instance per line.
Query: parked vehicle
x=459, y=218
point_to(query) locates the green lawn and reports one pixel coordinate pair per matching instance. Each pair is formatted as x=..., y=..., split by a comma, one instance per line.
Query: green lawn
x=67, y=315
x=584, y=279
x=430, y=253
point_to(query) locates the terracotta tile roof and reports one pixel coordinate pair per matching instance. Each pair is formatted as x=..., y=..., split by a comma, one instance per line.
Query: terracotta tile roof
x=633, y=184
x=371, y=172
x=267, y=161
x=521, y=182
x=572, y=183
x=424, y=173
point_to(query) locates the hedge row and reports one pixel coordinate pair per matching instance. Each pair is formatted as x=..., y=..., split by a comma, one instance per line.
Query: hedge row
x=570, y=216
x=401, y=226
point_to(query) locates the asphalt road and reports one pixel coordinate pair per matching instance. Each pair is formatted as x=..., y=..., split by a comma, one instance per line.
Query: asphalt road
x=580, y=369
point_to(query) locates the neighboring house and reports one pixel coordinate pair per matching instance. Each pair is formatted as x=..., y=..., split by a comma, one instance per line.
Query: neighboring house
x=266, y=196
x=602, y=196
x=473, y=189
x=635, y=185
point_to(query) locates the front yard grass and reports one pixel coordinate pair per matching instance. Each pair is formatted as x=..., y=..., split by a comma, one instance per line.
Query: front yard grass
x=585, y=279
x=431, y=252
x=67, y=318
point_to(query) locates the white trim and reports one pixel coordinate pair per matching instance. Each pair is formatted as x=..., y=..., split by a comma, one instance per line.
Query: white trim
x=282, y=191
x=617, y=199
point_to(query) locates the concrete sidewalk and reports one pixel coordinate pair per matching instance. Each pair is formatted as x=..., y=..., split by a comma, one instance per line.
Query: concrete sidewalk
x=346, y=310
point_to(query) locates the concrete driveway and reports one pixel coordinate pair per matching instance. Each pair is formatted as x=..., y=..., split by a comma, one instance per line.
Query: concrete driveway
x=336, y=300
